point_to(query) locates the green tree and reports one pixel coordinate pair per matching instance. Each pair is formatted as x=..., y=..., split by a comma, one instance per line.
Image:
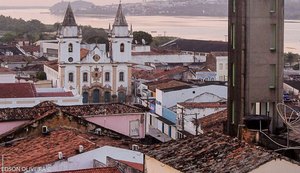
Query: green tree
x=41, y=75
x=8, y=37
x=291, y=58
x=140, y=35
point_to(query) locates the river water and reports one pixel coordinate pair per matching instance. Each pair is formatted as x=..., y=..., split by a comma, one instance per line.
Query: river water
x=190, y=27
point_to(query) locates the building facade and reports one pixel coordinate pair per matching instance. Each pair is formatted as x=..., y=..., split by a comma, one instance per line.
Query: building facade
x=97, y=74
x=255, y=60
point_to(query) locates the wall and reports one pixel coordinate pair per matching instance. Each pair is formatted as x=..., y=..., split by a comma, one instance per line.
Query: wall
x=169, y=58
x=52, y=75
x=154, y=166
x=85, y=160
x=7, y=126
x=169, y=99
x=120, y=123
x=278, y=166
x=30, y=102
x=7, y=78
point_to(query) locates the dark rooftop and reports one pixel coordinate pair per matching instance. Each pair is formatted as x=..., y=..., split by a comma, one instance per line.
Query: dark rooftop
x=211, y=152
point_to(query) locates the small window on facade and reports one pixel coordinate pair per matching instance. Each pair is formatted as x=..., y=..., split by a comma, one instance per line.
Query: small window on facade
x=233, y=75
x=70, y=48
x=85, y=77
x=70, y=59
x=71, y=77
x=273, y=6
x=273, y=76
x=107, y=76
x=233, y=6
x=122, y=47
x=121, y=77
x=233, y=36
x=273, y=37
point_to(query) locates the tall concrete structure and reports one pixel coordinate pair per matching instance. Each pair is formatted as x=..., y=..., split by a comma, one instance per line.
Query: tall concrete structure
x=255, y=69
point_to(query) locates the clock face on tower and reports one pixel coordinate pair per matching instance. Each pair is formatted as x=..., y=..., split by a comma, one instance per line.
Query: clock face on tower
x=96, y=58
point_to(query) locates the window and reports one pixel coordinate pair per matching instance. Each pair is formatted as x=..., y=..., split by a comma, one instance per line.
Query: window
x=273, y=6
x=273, y=76
x=233, y=75
x=233, y=36
x=233, y=6
x=107, y=76
x=71, y=77
x=226, y=66
x=122, y=47
x=70, y=59
x=232, y=112
x=85, y=77
x=70, y=48
x=121, y=76
x=273, y=37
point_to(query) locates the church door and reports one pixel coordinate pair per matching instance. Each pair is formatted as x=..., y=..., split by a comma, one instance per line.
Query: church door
x=121, y=97
x=107, y=97
x=96, y=96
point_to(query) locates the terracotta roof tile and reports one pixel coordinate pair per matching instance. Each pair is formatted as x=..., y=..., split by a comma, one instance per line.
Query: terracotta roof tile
x=57, y=94
x=203, y=104
x=214, y=122
x=136, y=166
x=17, y=90
x=210, y=152
x=53, y=64
x=83, y=53
x=159, y=74
x=9, y=114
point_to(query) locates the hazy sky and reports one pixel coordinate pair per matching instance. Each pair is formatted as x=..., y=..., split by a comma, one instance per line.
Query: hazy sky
x=52, y=2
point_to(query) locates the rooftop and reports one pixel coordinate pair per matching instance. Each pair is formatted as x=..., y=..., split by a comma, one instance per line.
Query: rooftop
x=293, y=83
x=211, y=152
x=16, y=58
x=27, y=90
x=214, y=122
x=4, y=70
x=201, y=105
x=94, y=170
x=166, y=84
x=12, y=114
x=53, y=64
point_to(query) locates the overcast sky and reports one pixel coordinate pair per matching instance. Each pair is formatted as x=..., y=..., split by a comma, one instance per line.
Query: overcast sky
x=52, y=2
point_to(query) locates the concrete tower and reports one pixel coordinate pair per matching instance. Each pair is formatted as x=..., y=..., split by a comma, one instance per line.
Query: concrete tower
x=255, y=70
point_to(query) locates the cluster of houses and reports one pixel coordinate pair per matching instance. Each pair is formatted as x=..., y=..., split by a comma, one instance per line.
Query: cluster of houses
x=129, y=109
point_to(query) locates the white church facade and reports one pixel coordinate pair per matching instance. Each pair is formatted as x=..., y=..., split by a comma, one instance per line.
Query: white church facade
x=99, y=75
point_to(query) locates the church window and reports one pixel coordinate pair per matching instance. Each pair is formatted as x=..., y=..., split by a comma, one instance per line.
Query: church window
x=107, y=76
x=122, y=47
x=85, y=77
x=71, y=77
x=121, y=76
x=70, y=48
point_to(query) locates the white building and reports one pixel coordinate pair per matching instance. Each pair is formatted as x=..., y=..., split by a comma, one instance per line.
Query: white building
x=7, y=75
x=222, y=68
x=97, y=74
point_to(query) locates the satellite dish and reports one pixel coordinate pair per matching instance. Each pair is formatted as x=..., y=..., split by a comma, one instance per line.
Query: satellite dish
x=143, y=42
x=290, y=116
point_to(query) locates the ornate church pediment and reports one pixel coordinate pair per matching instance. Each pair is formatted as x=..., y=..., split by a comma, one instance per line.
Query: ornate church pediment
x=122, y=89
x=96, y=74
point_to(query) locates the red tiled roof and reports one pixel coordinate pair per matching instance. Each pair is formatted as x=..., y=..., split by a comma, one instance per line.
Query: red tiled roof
x=57, y=94
x=31, y=48
x=4, y=70
x=136, y=166
x=16, y=58
x=158, y=73
x=203, y=105
x=214, y=122
x=83, y=53
x=165, y=84
x=94, y=170
x=17, y=90
x=53, y=64
x=157, y=52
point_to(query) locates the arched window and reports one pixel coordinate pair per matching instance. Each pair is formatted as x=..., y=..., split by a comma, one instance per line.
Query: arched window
x=121, y=76
x=122, y=47
x=70, y=48
x=85, y=77
x=71, y=77
x=107, y=76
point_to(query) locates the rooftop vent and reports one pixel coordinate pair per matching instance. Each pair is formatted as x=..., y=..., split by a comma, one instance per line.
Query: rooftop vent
x=45, y=130
x=80, y=149
x=98, y=131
